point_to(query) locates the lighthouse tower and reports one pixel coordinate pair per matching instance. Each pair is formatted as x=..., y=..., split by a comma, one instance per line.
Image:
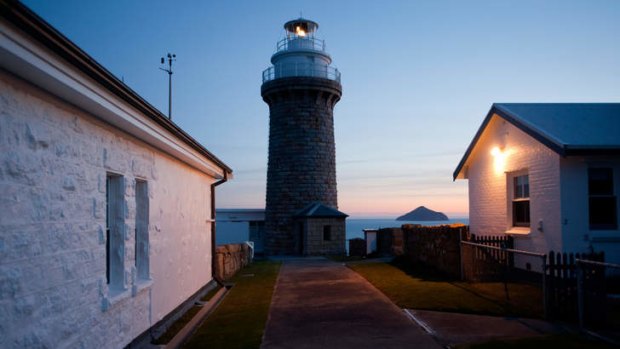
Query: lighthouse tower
x=301, y=89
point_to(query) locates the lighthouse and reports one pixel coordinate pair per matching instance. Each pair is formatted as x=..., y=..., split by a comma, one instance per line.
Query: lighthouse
x=301, y=89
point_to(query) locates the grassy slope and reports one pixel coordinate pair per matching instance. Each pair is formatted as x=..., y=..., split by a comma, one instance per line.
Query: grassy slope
x=418, y=291
x=240, y=320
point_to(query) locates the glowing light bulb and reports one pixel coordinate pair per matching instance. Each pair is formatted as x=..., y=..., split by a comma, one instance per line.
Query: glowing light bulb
x=299, y=31
x=499, y=160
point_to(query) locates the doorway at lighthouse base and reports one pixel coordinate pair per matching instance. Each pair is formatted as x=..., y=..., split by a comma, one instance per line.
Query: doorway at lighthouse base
x=319, y=230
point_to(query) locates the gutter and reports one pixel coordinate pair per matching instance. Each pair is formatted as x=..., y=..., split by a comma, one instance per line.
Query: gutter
x=213, y=259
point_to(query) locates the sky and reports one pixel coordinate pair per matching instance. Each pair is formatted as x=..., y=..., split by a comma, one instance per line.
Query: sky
x=418, y=78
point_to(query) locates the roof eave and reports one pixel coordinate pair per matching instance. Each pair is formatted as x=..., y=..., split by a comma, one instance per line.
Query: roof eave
x=42, y=32
x=505, y=114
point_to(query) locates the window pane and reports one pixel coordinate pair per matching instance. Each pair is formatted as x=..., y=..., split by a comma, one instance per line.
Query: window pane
x=521, y=187
x=526, y=186
x=521, y=213
x=327, y=232
x=600, y=181
x=518, y=189
x=603, y=213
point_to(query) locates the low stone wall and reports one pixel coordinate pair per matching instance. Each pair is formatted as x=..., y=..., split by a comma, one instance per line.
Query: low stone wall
x=230, y=259
x=437, y=246
x=357, y=247
x=390, y=242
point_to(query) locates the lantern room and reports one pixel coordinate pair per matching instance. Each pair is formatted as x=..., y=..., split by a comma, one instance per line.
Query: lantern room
x=301, y=54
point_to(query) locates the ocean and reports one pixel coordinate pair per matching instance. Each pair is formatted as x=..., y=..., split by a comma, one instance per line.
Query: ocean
x=355, y=226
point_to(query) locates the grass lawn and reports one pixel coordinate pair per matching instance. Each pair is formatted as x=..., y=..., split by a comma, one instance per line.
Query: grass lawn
x=178, y=325
x=419, y=289
x=239, y=321
x=546, y=342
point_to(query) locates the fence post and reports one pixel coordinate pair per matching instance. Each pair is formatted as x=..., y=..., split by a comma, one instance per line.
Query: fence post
x=580, y=294
x=461, y=257
x=544, y=288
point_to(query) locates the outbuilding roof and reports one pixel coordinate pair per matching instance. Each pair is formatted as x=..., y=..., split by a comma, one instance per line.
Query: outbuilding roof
x=566, y=128
x=318, y=210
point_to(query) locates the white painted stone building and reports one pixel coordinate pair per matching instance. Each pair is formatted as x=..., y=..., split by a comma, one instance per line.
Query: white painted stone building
x=549, y=175
x=106, y=216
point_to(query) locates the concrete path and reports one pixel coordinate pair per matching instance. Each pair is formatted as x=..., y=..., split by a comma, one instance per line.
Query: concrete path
x=452, y=329
x=322, y=304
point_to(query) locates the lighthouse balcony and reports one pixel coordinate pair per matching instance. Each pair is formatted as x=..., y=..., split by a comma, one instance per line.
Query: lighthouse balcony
x=300, y=43
x=286, y=70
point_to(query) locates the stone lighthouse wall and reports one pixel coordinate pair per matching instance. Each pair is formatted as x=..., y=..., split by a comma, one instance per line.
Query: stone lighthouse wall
x=302, y=155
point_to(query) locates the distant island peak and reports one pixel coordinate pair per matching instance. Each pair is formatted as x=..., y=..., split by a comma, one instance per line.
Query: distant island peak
x=423, y=214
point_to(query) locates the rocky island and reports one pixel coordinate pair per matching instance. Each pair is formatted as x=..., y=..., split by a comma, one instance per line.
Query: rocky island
x=423, y=214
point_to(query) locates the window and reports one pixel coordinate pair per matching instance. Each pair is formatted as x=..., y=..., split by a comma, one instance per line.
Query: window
x=142, y=229
x=602, y=201
x=115, y=243
x=521, y=201
x=327, y=232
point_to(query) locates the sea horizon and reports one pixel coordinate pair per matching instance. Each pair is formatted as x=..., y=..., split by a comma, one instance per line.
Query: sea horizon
x=355, y=226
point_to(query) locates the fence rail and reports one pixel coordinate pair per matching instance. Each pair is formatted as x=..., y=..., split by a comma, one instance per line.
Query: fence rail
x=573, y=285
x=296, y=42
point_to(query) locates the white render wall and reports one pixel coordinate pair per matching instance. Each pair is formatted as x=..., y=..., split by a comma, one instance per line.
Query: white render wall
x=575, y=215
x=53, y=164
x=489, y=207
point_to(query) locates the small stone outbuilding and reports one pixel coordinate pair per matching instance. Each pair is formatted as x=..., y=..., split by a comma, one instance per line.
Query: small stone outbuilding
x=320, y=230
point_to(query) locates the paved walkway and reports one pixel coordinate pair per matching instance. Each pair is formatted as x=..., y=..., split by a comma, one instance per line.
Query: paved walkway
x=322, y=304
x=452, y=329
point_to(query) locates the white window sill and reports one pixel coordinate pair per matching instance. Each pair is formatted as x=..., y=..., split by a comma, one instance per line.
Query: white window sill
x=519, y=231
x=141, y=285
x=114, y=297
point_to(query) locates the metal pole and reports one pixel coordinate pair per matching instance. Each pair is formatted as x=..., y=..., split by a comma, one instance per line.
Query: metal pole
x=170, y=91
x=544, y=287
x=171, y=57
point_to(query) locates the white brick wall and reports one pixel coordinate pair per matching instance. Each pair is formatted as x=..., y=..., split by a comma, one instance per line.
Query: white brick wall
x=53, y=164
x=488, y=201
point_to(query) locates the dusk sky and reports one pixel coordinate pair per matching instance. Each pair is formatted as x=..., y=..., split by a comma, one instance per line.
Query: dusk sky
x=418, y=78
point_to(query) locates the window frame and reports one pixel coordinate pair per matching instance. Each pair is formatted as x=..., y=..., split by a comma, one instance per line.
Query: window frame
x=115, y=232
x=142, y=238
x=519, y=199
x=596, y=194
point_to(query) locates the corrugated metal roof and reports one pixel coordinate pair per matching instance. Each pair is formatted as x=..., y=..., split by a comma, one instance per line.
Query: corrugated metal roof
x=583, y=125
x=566, y=128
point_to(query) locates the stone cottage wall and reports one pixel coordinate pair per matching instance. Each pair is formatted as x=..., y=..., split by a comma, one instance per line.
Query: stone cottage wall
x=231, y=258
x=53, y=164
x=316, y=245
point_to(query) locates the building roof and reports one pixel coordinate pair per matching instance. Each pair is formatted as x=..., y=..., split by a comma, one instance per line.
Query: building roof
x=44, y=34
x=566, y=128
x=318, y=210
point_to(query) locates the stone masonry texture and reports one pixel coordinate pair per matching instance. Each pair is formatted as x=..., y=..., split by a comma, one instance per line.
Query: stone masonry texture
x=53, y=164
x=302, y=154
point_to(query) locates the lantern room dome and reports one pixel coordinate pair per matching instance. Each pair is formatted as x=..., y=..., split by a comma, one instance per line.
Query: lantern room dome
x=301, y=27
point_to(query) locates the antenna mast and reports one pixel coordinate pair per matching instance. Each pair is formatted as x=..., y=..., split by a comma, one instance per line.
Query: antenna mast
x=171, y=57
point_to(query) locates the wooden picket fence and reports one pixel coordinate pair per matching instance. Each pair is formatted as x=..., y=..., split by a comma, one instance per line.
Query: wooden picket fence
x=561, y=282
x=486, y=264
x=490, y=258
